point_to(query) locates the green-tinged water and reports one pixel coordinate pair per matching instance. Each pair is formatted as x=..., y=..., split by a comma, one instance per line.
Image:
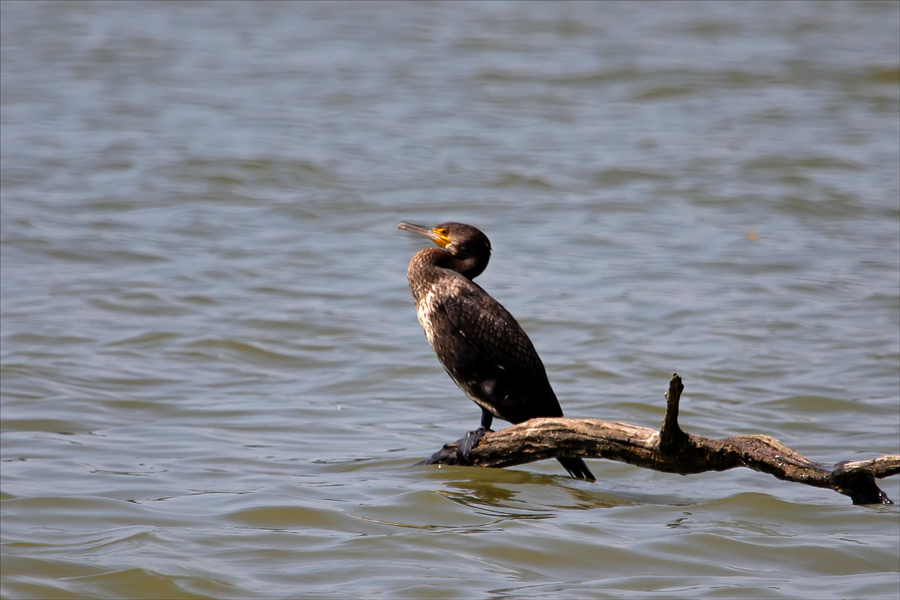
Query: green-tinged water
x=213, y=381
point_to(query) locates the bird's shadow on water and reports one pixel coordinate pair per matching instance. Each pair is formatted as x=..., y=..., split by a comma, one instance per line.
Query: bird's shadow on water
x=517, y=493
x=616, y=486
x=509, y=492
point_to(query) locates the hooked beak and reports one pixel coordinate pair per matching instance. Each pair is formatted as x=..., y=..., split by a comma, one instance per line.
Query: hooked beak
x=436, y=235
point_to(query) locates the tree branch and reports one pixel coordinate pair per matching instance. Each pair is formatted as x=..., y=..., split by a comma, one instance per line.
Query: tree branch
x=671, y=450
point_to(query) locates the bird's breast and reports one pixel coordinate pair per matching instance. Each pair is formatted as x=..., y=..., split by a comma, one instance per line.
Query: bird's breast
x=426, y=308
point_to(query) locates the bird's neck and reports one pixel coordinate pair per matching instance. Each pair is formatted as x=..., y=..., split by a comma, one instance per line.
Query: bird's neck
x=436, y=258
x=431, y=266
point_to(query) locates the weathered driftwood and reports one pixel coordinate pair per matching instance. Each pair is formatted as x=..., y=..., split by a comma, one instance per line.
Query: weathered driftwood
x=670, y=450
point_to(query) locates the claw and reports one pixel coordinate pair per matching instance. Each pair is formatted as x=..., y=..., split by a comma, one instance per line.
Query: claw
x=465, y=445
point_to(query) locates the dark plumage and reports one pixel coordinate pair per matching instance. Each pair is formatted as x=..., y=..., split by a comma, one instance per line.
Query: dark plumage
x=481, y=345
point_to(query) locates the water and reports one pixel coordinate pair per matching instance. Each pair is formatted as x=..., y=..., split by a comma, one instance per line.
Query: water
x=213, y=381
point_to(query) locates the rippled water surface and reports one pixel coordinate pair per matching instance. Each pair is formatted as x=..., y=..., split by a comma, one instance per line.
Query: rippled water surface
x=213, y=381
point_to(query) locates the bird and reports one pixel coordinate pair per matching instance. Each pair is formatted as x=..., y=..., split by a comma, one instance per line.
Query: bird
x=480, y=344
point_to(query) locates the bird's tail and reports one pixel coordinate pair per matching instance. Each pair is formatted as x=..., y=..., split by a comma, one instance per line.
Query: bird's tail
x=577, y=468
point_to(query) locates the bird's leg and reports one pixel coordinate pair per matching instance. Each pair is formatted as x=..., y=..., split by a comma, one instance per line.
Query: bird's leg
x=487, y=417
x=470, y=440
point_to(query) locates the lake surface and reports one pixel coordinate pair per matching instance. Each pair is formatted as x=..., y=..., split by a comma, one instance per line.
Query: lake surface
x=213, y=381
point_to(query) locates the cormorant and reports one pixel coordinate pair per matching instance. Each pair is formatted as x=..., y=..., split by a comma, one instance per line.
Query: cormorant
x=482, y=346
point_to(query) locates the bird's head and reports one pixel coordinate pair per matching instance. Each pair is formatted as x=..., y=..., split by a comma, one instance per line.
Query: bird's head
x=459, y=239
x=470, y=248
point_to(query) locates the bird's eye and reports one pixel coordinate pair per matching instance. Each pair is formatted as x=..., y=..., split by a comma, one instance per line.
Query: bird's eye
x=441, y=232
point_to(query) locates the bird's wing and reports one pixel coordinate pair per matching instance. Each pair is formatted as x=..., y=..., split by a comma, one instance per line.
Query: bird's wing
x=492, y=331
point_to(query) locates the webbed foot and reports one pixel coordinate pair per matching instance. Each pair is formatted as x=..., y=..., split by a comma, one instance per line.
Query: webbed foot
x=470, y=440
